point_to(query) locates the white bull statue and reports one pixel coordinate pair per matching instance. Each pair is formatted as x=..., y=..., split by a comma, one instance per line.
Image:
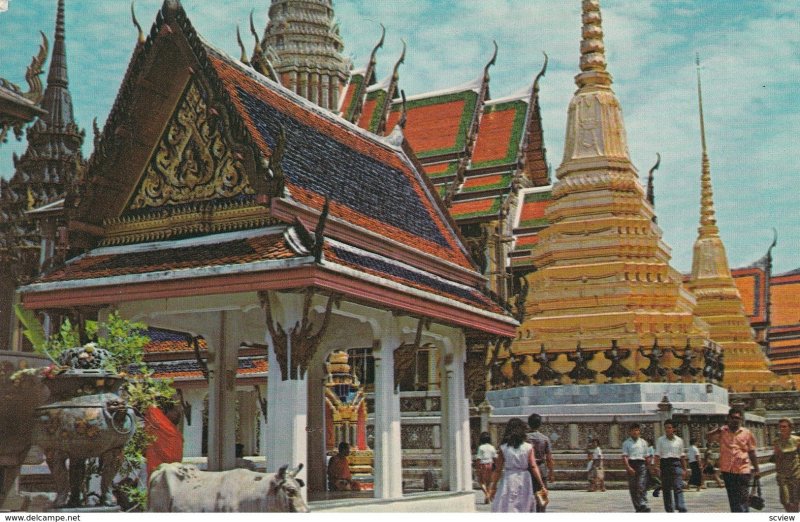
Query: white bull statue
x=183, y=488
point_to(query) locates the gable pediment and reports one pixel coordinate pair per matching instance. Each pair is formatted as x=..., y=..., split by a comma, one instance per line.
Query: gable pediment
x=194, y=161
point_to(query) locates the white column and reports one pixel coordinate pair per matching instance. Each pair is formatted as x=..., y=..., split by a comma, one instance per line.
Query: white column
x=316, y=423
x=388, y=446
x=193, y=433
x=222, y=364
x=456, y=458
x=287, y=410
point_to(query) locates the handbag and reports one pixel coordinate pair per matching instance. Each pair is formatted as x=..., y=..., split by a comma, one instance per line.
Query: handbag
x=755, y=500
x=542, y=498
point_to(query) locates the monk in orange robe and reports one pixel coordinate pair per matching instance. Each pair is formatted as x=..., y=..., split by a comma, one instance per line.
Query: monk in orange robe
x=167, y=445
x=339, y=476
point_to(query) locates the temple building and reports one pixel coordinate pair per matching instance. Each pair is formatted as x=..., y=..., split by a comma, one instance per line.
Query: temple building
x=345, y=262
x=49, y=170
x=239, y=216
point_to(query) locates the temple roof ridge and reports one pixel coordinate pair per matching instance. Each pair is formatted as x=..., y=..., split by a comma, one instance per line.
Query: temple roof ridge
x=522, y=94
x=471, y=85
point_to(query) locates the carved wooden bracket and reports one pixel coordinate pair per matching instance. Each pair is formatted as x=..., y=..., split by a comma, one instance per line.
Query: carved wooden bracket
x=303, y=342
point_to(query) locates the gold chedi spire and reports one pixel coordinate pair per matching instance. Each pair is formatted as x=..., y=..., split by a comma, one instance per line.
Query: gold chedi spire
x=595, y=128
x=718, y=300
x=593, y=49
x=603, y=276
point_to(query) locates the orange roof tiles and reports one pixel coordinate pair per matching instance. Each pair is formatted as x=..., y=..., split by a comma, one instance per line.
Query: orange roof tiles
x=499, y=134
x=785, y=300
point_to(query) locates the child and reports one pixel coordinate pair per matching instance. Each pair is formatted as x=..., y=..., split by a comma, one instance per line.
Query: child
x=484, y=464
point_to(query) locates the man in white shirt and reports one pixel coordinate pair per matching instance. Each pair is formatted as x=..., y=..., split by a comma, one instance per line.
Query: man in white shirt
x=671, y=460
x=636, y=457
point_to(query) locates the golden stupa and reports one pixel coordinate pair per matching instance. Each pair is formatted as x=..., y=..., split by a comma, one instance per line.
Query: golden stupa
x=718, y=301
x=603, y=271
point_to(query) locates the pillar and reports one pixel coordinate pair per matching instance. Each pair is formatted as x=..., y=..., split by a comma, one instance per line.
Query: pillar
x=325, y=85
x=456, y=455
x=223, y=348
x=574, y=442
x=388, y=446
x=303, y=83
x=193, y=433
x=293, y=81
x=248, y=409
x=287, y=410
x=613, y=436
x=313, y=90
x=316, y=424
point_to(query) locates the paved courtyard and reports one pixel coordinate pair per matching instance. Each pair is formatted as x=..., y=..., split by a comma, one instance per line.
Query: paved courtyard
x=711, y=500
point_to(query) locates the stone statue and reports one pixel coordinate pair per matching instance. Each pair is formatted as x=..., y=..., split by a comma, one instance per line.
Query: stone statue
x=581, y=370
x=616, y=356
x=686, y=369
x=654, y=371
x=546, y=373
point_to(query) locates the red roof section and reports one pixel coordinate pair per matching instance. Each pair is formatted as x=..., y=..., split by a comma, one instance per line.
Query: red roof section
x=785, y=300
x=752, y=285
x=494, y=136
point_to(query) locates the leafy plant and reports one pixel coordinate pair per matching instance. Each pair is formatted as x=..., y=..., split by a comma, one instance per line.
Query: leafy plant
x=125, y=342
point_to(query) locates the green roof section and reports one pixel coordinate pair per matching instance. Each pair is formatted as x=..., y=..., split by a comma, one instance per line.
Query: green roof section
x=379, y=97
x=356, y=83
x=486, y=183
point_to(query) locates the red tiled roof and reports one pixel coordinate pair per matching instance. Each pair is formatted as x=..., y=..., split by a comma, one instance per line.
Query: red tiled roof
x=349, y=102
x=437, y=125
x=486, y=183
x=785, y=300
x=251, y=367
x=499, y=134
x=441, y=170
x=752, y=286
x=533, y=210
x=476, y=208
x=239, y=251
x=362, y=161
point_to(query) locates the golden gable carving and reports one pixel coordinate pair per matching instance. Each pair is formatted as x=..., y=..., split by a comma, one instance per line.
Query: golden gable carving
x=193, y=161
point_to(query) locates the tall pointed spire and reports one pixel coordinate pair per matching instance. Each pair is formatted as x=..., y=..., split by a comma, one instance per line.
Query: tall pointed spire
x=593, y=50
x=708, y=221
x=719, y=304
x=710, y=258
x=57, y=100
x=595, y=128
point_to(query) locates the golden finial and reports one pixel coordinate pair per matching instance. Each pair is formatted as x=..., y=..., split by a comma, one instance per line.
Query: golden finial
x=593, y=50
x=708, y=221
x=402, y=59
x=140, y=40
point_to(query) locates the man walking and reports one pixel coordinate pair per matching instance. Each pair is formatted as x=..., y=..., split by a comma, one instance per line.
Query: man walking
x=737, y=454
x=636, y=457
x=671, y=460
x=544, y=455
x=693, y=454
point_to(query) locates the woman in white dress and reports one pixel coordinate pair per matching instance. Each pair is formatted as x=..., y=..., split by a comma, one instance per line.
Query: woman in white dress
x=516, y=462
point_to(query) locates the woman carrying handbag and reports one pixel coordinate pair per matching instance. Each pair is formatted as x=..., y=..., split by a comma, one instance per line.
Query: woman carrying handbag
x=512, y=487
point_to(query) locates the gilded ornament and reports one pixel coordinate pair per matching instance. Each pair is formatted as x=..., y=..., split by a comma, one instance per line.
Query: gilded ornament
x=193, y=161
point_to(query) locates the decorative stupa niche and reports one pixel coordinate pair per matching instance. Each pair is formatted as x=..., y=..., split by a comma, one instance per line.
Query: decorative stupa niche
x=718, y=301
x=603, y=270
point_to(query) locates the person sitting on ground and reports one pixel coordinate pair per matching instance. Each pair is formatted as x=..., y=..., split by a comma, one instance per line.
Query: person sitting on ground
x=339, y=476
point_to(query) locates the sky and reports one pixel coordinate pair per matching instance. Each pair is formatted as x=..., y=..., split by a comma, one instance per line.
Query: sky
x=750, y=53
